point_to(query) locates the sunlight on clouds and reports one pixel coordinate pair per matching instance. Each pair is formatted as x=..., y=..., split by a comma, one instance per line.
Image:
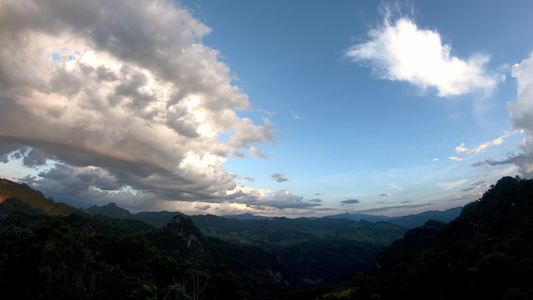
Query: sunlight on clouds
x=463, y=150
x=142, y=101
x=399, y=50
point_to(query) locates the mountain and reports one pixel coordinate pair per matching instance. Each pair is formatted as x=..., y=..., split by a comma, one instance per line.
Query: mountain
x=245, y=217
x=410, y=221
x=16, y=196
x=110, y=210
x=360, y=217
x=416, y=220
x=485, y=253
x=160, y=218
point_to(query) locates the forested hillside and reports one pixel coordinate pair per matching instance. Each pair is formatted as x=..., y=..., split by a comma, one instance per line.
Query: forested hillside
x=83, y=257
x=486, y=253
x=47, y=253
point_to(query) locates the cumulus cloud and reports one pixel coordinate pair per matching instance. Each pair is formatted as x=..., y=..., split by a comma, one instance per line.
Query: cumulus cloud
x=349, y=201
x=279, y=177
x=123, y=101
x=521, y=114
x=399, y=50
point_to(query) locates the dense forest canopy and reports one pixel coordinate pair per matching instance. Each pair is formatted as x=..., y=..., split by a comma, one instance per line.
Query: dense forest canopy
x=49, y=250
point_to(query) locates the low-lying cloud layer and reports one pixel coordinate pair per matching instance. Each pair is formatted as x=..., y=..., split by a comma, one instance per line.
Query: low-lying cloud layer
x=120, y=99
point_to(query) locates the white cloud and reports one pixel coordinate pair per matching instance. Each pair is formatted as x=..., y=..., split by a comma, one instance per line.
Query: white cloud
x=399, y=50
x=126, y=100
x=462, y=150
x=455, y=158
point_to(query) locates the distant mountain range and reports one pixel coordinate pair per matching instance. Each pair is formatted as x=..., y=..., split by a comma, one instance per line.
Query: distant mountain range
x=410, y=221
x=161, y=218
x=38, y=202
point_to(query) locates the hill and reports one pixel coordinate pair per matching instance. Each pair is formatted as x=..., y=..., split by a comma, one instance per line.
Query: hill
x=485, y=253
x=334, y=247
x=410, y=221
x=110, y=210
x=98, y=257
x=16, y=196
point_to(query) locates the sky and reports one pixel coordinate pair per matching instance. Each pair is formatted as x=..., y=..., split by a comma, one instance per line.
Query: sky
x=275, y=108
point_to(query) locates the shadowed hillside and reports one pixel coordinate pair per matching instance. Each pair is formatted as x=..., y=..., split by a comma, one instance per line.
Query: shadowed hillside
x=486, y=253
x=15, y=196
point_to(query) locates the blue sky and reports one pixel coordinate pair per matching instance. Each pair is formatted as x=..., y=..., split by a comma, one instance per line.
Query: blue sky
x=294, y=108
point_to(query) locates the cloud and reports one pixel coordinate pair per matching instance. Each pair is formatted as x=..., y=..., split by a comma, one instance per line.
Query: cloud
x=521, y=114
x=349, y=201
x=296, y=116
x=250, y=179
x=129, y=103
x=399, y=50
x=452, y=184
x=468, y=196
x=474, y=186
x=400, y=188
x=279, y=177
x=432, y=160
x=386, y=195
x=202, y=207
x=462, y=150
x=391, y=208
x=254, y=152
x=454, y=158
x=284, y=199
x=516, y=159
